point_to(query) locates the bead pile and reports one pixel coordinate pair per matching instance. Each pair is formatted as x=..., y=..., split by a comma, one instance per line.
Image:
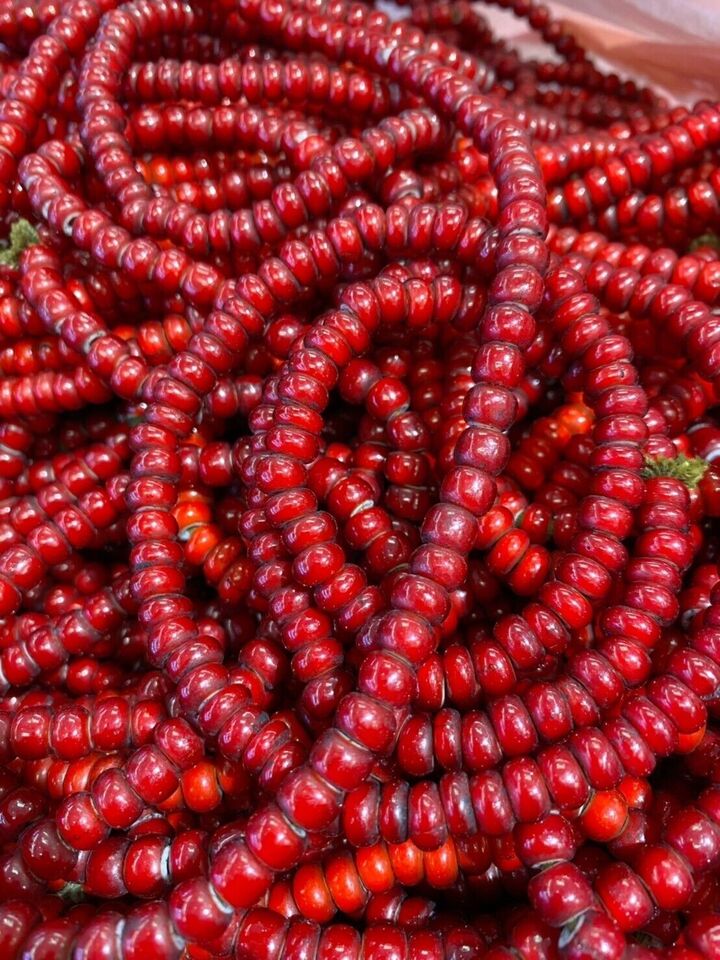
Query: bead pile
x=359, y=585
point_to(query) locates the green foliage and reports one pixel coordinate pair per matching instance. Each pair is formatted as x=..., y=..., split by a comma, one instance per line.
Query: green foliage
x=22, y=235
x=690, y=470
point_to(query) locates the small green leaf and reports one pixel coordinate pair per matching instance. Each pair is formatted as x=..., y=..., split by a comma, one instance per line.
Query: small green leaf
x=72, y=892
x=706, y=240
x=22, y=235
x=690, y=470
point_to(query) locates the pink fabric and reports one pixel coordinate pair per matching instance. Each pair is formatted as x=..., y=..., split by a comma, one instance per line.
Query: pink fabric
x=675, y=44
x=672, y=44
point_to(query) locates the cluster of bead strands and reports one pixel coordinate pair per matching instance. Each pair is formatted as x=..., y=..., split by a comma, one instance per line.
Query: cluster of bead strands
x=359, y=481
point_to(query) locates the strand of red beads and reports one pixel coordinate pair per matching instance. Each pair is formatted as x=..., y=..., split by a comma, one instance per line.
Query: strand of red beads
x=358, y=415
